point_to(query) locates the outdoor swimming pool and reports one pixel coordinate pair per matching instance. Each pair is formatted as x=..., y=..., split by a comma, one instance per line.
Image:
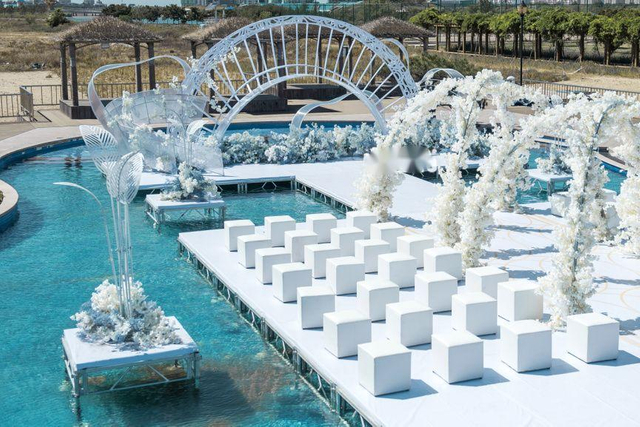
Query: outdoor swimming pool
x=55, y=255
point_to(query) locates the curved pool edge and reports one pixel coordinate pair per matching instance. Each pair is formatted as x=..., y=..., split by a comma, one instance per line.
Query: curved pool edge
x=9, y=206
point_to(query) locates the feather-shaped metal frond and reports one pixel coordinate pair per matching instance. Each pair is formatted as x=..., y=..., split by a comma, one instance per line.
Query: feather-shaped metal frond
x=123, y=180
x=102, y=146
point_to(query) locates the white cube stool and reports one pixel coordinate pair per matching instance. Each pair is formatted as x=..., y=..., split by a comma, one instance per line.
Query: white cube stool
x=485, y=279
x=265, y=260
x=611, y=214
x=343, y=274
x=559, y=203
x=373, y=297
x=415, y=245
x=287, y=278
x=593, y=337
x=235, y=229
x=276, y=226
x=345, y=238
x=389, y=232
x=316, y=256
x=344, y=331
x=444, y=259
x=313, y=303
x=398, y=268
x=362, y=220
x=457, y=356
x=409, y=323
x=296, y=240
x=384, y=367
x=247, y=246
x=435, y=290
x=322, y=224
x=367, y=251
x=475, y=312
x=525, y=345
x=609, y=195
x=519, y=300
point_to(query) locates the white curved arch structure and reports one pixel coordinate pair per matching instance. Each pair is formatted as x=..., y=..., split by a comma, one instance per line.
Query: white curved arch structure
x=268, y=52
x=429, y=75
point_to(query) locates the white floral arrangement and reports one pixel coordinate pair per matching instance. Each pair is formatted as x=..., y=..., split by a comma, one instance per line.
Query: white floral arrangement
x=190, y=184
x=554, y=164
x=100, y=320
x=628, y=201
x=305, y=145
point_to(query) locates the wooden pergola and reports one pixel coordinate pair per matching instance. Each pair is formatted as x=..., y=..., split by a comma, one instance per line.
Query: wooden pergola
x=392, y=28
x=104, y=30
x=215, y=32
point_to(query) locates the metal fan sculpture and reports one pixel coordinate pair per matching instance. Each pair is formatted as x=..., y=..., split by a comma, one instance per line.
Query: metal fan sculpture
x=123, y=175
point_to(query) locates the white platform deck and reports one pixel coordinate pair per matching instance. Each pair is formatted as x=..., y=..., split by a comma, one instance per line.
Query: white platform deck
x=549, y=179
x=571, y=393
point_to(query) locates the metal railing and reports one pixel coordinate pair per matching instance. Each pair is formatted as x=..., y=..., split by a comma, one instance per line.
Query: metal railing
x=16, y=106
x=564, y=90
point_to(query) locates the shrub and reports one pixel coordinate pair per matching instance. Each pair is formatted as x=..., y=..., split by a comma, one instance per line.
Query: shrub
x=56, y=18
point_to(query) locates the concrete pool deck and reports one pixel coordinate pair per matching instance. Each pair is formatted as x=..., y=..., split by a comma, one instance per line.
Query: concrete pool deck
x=571, y=393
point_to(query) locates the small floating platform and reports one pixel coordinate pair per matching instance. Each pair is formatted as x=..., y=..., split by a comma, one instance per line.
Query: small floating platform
x=549, y=179
x=88, y=364
x=157, y=208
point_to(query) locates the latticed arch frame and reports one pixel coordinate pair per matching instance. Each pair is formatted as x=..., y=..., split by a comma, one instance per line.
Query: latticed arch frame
x=271, y=64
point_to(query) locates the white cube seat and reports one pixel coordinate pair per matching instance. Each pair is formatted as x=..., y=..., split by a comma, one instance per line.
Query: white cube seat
x=322, y=224
x=362, y=220
x=457, y=356
x=611, y=214
x=435, y=290
x=235, y=229
x=593, y=337
x=409, y=323
x=485, y=279
x=559, y=203
x=344, y=330
x=313, y=303
x=389, y=232
x=415, y=245
x=444, y=259
x=296, y=240
x=373, y=297
x=384, y=367
x=276, y=226
x=287, y=278
x=247, y=247
x=367, y=251
x=316, y=256
x=475, y=312
x=343, y=274
x=609, y=195
x=397, y=268
x=519, y=300
x=345, y=238
x=265, y=260
x=525, y=345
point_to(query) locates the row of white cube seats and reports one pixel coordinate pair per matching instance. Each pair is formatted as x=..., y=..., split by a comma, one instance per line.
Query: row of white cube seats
x=526, y=345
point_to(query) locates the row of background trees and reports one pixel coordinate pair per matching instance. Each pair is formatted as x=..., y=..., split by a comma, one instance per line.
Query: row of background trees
x=609, y=29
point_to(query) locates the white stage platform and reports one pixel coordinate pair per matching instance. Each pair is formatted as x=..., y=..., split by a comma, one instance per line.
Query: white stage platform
x=549, y=179
x=571, y=393
x=157, y=208
x=82, y=359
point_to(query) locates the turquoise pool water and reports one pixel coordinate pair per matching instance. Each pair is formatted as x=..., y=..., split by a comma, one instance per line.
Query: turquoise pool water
x=54, y=256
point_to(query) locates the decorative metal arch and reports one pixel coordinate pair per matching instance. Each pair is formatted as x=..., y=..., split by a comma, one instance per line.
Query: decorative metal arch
x=272, y=64
x=429, y=75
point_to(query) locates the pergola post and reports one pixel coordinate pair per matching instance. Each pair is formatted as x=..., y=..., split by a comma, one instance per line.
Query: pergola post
x=280, y=61
x=63, y=71
x=401, y=40
x=194, y=49
x=74, y=74
x=212, y=94
x=136, y=50
x=152, y=66
x=350, y=58
x=318, y=79
x=425, y=44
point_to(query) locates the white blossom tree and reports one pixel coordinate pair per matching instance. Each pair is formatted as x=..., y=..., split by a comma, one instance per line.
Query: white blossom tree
x=583, y=123
x=628, y=201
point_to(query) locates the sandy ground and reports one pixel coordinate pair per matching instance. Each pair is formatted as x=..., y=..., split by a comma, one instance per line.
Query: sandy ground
x=605, y=82
x=11, y=81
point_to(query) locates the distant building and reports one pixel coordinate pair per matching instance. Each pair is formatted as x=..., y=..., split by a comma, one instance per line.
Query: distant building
x=187, y=3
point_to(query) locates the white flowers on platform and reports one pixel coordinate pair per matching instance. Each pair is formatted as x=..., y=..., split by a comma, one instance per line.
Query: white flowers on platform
x=190, y=184
x=102, y=322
